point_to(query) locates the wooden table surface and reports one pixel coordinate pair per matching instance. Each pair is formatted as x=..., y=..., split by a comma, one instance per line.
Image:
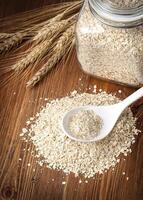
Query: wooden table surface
x=19, y=181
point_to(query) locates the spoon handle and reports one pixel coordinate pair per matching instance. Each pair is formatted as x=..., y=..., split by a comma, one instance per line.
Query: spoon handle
x=132, y=98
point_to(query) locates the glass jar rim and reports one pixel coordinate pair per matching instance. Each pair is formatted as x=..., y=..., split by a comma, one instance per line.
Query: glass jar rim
x=115, y=16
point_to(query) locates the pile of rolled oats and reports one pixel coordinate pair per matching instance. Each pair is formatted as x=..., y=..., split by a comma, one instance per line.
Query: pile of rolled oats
x=60, y=152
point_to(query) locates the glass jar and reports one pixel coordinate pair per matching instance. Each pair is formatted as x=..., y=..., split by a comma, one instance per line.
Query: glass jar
x=109, y=35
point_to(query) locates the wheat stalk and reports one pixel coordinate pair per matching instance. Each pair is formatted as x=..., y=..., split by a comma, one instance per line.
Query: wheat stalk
x=37, y=52
x=59, y=50
x=9, y=40
x=40, y=31
x=51, y=26
x=12, y=41
x=4, y=36
x=13, y=37
x=55, y=21
x=48, y=31
x=32, y=56
x=70, y=9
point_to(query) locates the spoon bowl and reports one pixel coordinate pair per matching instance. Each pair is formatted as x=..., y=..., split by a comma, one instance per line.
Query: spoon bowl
x=109, y=115
x=104, y=112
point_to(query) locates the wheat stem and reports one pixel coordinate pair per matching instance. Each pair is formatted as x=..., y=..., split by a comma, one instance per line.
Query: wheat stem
x=28, y=19
x=59, y=50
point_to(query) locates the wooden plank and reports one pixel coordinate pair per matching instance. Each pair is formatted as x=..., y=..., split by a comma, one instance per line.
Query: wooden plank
x=19, y=181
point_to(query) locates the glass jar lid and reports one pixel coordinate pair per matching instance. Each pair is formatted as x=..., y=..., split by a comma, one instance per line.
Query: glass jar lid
x=118, y=13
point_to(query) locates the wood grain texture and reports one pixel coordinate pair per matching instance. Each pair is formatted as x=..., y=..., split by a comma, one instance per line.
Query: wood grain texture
x=19, y=181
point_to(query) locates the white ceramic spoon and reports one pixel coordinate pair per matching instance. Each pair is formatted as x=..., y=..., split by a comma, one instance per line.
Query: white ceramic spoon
x=109, y=115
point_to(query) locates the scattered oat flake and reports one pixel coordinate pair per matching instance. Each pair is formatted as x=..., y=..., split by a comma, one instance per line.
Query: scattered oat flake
x=95, y=89
x=63, y=183
x=24, y=130
x=73, y=93
x=28, y=164
x=127, y=178
x=123, y=173
x=28, y=122
x=120, y=91
x=80, y=181
x=31, y=118
x=86, y=181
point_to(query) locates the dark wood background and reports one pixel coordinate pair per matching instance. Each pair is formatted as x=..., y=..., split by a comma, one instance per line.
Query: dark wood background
x=19, y=181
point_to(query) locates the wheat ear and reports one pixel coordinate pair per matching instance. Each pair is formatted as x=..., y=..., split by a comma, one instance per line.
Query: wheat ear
x=48, y=31
x=32, y=56
x=59, y=50
x=12, y=41
x=70, y=9
x=4, y=36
